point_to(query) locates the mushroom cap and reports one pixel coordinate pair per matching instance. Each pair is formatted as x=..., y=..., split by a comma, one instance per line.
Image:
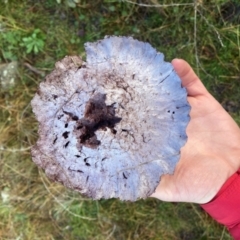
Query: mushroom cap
x=111, y=126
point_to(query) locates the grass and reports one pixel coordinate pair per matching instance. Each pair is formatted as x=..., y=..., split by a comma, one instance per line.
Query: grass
x=205, y=33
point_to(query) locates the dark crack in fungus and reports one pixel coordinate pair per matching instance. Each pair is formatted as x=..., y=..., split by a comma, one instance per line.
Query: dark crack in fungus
x=97, y=116
x=111, y=126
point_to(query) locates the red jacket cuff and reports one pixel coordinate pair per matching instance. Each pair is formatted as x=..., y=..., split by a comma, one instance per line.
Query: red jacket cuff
x=225, y=206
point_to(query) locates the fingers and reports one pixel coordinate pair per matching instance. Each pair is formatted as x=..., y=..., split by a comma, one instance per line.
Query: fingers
x=189, y=79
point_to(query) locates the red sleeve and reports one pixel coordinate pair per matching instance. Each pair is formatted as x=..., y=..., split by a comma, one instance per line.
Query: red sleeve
x=225, y=206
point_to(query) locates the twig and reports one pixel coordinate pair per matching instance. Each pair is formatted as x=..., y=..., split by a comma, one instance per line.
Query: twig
x=214, y=29
x=198, y=64
x=111, y=233
x=238, y=36
x=195, y=37
x=33, y=69
x=197, y=212
x=13, y=150
x=159, y=5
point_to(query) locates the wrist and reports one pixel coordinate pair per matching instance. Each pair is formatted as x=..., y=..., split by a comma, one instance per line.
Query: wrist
x=225, y=207
x=214, y=180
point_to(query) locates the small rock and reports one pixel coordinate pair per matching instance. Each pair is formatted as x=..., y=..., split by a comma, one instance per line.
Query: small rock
x=8, y=75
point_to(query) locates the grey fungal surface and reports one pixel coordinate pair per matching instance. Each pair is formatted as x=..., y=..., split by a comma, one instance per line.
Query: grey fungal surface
x=111, y=126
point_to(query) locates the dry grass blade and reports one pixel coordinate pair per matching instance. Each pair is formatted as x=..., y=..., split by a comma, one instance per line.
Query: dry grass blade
x=59, y=202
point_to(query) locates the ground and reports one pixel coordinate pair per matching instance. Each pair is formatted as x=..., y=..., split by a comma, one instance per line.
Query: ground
x=36, y=34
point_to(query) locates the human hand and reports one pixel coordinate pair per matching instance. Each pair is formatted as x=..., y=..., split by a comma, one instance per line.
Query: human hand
x=212, y=152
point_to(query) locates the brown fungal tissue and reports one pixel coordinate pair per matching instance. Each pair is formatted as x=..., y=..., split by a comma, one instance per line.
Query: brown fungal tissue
x=111, y=126
x=97, y=116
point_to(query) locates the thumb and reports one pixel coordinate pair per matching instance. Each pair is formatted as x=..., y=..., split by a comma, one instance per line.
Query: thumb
x=189, y=79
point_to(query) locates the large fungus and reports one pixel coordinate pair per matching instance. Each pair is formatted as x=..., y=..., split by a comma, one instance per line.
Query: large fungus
x=111, y=126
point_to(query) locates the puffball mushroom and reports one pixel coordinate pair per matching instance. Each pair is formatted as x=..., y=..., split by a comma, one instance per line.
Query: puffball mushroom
x=111, y=126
